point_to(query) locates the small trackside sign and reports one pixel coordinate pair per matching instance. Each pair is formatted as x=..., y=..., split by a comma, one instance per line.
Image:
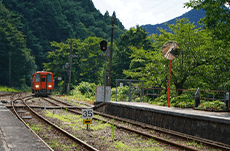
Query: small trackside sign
x=87, y=113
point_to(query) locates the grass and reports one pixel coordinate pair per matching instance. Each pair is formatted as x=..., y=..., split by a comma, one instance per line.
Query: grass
x=78, y=96
x=61, y=118
x=76, y=124
x=193, y=143
x=8, y=89
x=200, y=145
x=53, y=143
x=37, y=128
x=76, y=121
x=152, y=131
x=113, y=130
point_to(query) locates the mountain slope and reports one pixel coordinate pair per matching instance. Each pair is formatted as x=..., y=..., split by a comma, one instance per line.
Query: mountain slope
x=44, y=21
x=193, y=16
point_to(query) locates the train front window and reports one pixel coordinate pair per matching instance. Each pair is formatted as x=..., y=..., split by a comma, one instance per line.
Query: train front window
x=49, y=78
x=43, y=79
x=37, y=77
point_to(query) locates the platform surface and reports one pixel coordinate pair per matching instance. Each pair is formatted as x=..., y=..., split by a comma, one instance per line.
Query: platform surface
x=186, y=112
x=15, y=136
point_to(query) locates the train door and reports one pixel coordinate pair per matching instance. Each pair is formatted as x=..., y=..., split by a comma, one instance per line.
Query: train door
x=43, y=81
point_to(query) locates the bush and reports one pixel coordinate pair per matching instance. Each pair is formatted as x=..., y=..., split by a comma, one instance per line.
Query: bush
x=122, y=93
x=214, y=105
x=86, y=88
x=184, y=100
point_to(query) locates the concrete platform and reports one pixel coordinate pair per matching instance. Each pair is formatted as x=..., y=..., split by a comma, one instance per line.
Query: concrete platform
x=210, y=125
x=223, y=117
x=15, y=136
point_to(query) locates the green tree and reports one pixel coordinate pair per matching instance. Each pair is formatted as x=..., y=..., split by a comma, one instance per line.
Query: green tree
x=133, y=37
x=196, y=66
x=44, y=21
x=13, y=42
x=217, y=17
x=87, y=61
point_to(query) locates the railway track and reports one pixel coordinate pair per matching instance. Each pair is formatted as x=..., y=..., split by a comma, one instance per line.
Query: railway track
x=142, y=126
x=62, y=135
x=61, y=112
x=214, y=144
x=135, y=127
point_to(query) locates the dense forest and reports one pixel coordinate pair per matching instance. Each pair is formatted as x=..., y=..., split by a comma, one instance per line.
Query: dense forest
x=45, y=21
x=41, y=22
x=39, y=35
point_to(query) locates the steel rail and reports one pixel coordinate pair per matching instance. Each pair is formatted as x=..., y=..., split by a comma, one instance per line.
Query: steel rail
x=136, y=131
x=86, y=146
x=12, y=103
x=171, y=132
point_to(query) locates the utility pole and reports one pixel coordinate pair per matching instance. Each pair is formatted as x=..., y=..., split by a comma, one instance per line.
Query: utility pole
x=70, y=65
x=111, y=48
x=9, y=69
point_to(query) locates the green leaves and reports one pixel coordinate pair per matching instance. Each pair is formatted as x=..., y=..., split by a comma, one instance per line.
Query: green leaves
x=217, y=17
x=87, y=63
x=13, y=45
x=196, y=65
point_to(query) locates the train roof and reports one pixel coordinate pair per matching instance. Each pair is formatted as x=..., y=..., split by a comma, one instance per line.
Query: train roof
x=43, y=72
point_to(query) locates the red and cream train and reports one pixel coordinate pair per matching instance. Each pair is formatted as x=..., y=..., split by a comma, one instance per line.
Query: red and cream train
x=42, y=83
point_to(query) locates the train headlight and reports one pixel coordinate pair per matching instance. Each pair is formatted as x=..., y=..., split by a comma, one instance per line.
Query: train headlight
x=37, y=86
x=50, y=86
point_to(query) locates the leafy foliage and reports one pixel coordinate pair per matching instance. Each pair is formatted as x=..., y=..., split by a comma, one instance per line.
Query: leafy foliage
x=122, y=93
x=214, y=105
x=133, y=37
x=44, y=21
x=87, y=88
x=13, y=44
x=196, y=65
x=217, y=17
x=87, y=63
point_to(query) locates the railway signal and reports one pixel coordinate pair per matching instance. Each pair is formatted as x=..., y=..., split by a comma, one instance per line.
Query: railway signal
x=103, y=45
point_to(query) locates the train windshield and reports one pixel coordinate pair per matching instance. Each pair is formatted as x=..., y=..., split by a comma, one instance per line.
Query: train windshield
x=37, y=77
x=49, y=78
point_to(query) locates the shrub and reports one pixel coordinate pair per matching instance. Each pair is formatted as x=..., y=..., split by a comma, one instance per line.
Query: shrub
x=214, y=105
x=122, y=93
x=86, y=88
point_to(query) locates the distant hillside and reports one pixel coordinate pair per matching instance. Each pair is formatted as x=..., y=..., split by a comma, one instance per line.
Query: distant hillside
x=44, y=21
x=193, y=16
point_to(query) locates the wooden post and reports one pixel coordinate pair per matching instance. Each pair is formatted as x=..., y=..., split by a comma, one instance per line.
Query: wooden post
x=70, y=66
x=147, y=95
x=213, y=97
x=153, y=94
x=111, y=51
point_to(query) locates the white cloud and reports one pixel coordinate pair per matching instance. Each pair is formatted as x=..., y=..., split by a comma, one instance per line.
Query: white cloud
x=133, y=12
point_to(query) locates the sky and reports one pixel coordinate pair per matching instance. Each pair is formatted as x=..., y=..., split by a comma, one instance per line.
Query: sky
x=142, y=12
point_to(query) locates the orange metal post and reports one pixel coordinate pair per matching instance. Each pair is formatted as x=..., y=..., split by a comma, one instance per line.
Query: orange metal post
x=169, y=83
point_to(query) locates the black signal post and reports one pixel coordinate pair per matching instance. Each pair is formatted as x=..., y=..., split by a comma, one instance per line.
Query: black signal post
x=103, y=45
